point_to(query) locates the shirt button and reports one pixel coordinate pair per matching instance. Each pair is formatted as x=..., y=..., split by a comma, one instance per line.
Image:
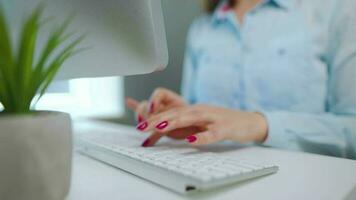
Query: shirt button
x=246, y=48
x=281, y=51
x=237, y=65
x=207, y=59
x=252, y=12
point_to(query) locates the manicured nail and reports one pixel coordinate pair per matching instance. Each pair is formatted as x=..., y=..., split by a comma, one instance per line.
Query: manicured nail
x=162, y=125
x=191, y=138
x=152, y=107
x=142, y=126
x=145, y=143
x=140, y=118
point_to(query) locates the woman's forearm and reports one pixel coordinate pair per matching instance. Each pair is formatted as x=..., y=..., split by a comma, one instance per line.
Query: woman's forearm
x=327, y=133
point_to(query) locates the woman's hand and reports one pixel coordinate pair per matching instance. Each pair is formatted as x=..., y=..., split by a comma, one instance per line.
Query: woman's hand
x=202, y=124
x=161, y=100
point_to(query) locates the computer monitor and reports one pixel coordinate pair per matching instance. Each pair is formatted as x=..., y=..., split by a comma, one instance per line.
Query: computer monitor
x=124, y=37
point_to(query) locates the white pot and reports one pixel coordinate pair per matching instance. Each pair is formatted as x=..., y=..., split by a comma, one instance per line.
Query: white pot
x=35, y=156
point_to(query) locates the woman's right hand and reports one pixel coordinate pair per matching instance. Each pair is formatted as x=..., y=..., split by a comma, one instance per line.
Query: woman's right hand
x=161, y=100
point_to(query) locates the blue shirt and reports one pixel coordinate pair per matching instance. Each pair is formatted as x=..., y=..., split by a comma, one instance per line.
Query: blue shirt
x=292, y=60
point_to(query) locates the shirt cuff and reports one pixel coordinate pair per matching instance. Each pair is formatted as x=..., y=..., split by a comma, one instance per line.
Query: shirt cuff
x=276, y=130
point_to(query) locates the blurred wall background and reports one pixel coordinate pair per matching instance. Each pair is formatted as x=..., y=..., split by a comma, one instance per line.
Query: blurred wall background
x=178, y=15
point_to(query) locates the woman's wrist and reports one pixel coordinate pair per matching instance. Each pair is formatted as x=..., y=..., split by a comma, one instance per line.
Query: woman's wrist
x=261, y=127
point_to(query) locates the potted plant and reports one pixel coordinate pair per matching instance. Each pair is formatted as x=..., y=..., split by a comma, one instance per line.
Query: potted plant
x=35, y=146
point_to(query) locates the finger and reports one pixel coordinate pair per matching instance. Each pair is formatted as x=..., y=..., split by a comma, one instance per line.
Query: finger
x=175, y=118
x=134, y=105
x=141, y=111
x=182, y=133
x=204, y=138
x=152, y=139
x=131, y=103
x=161, y=97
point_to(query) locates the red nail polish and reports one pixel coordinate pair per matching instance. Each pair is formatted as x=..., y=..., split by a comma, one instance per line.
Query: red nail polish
x=145, y=143
x=152, y=107
x=139, y=118
x=142, y=126
x=162, y=125
x=191, y=138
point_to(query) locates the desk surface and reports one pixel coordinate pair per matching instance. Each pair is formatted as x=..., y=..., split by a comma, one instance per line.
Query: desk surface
x=301, y=176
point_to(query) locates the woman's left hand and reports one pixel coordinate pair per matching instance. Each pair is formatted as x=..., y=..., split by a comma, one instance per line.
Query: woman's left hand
x=214, y=123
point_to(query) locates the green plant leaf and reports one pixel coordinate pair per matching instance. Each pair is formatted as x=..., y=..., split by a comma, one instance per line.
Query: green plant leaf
x=26, y=55
x=6, y=56
x=54, y=41
x=53, y=68
x=6, y=65
x=21, y=77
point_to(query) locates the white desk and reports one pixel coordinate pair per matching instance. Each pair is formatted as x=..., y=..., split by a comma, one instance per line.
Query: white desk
x=301, y=177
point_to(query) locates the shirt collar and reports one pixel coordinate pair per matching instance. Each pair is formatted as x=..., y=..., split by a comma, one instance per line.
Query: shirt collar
x=221, y=12
x=287, y=4
x=223, y=9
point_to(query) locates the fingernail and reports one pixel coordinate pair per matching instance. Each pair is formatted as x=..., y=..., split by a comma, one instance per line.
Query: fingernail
x=162, y=125
x=191, y=139
x=152, y=107
x=139, y=118
x=142, y=126
x=145, y=143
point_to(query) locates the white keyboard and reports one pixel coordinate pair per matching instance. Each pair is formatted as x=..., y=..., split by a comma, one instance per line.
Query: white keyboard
x=181, y=169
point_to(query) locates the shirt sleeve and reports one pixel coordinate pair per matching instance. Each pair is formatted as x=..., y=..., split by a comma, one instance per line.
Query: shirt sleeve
x=333, y=132
x=189, y=68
